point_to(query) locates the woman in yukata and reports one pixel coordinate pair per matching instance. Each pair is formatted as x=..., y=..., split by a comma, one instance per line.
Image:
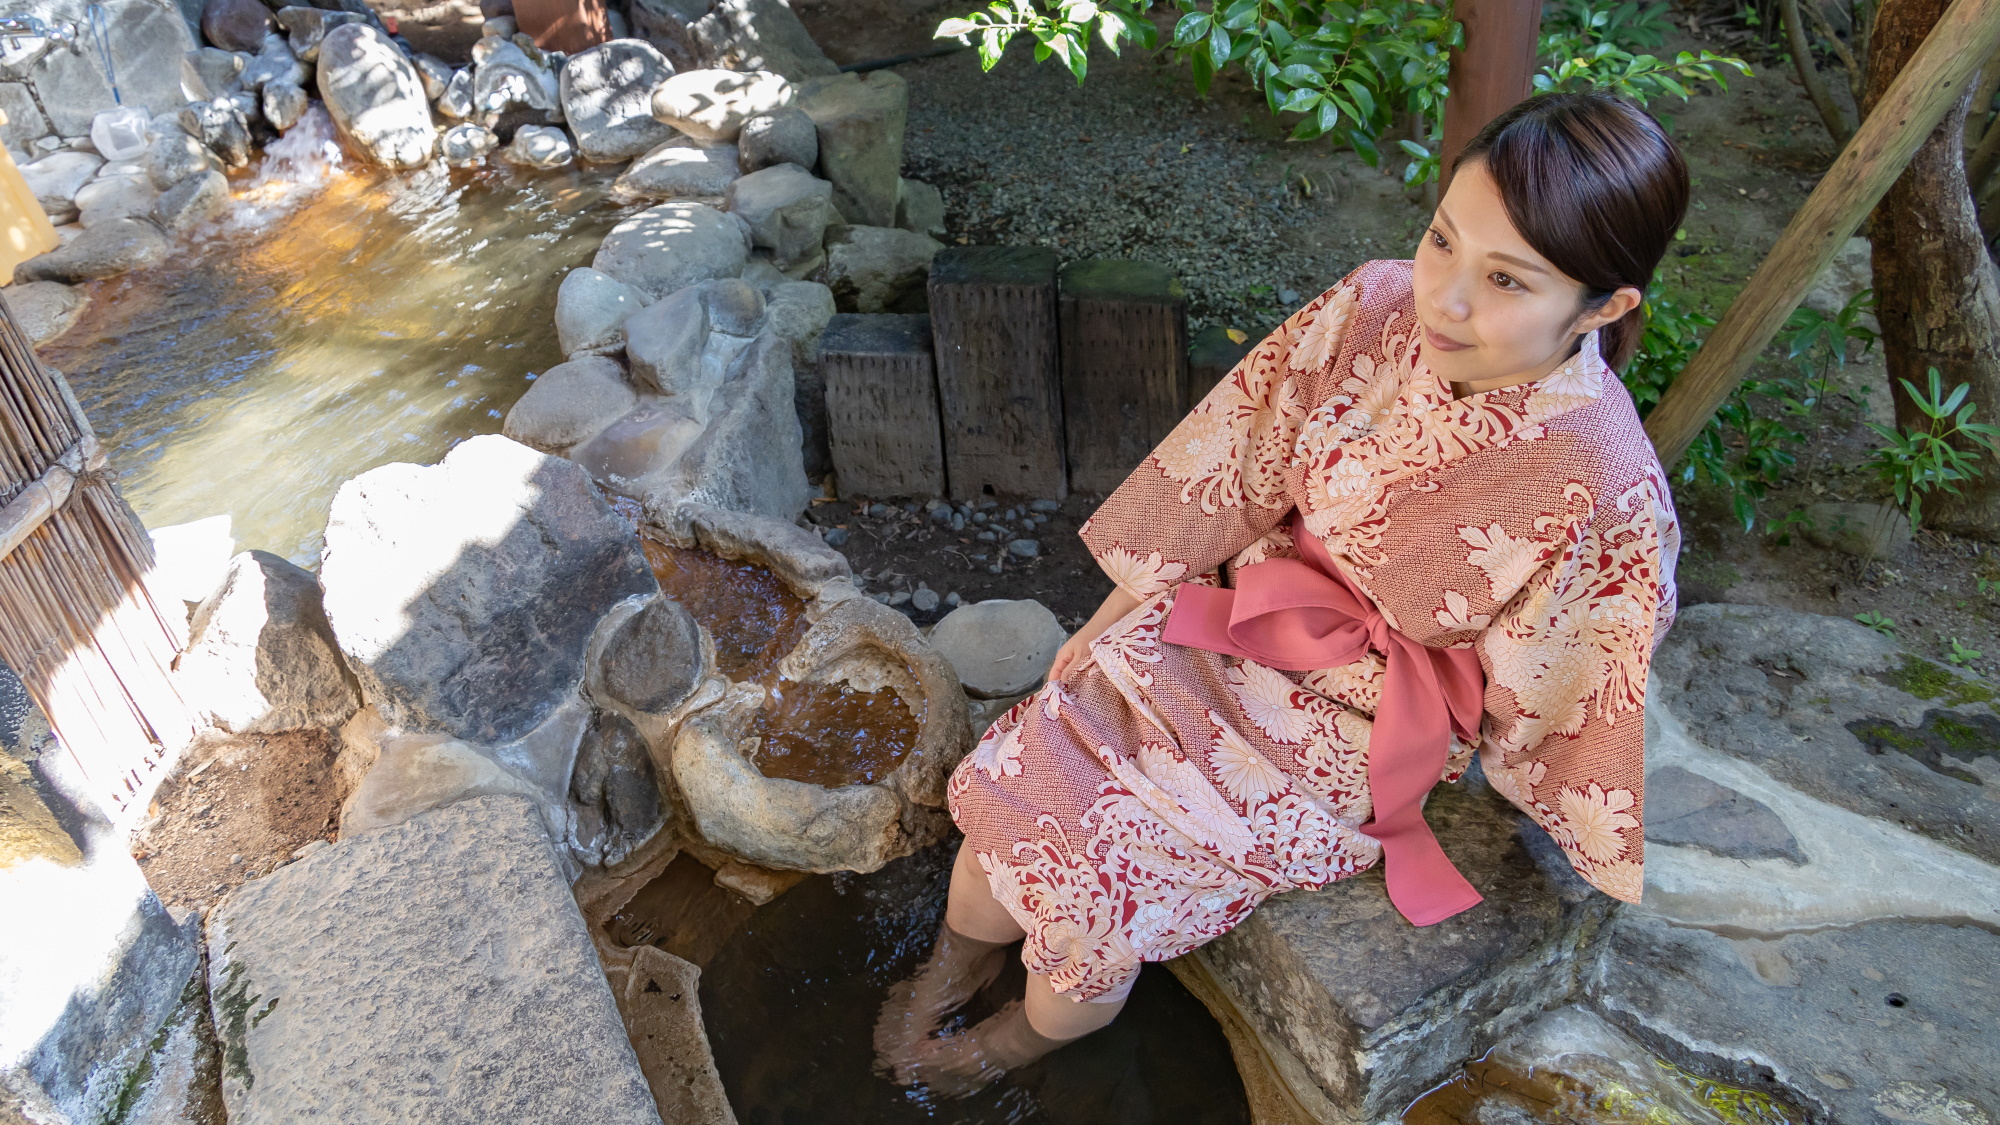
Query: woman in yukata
x=1420, y=518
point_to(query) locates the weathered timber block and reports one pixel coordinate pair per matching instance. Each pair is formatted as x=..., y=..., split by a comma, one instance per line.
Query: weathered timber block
x=882, y=404
x=1124, y=366
x=1212, y=355
x=993, y=322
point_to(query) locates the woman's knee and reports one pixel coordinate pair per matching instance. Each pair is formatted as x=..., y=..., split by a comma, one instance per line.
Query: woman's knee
x=1062, y=1018
x=971, y=909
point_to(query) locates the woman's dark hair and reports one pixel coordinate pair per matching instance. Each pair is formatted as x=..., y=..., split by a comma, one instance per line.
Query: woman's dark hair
x=1596, y=187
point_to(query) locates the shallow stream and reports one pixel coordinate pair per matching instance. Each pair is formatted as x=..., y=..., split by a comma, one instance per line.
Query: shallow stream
x=336, y=321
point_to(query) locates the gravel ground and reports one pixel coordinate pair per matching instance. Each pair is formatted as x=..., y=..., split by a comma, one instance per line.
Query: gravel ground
x=1132, y=165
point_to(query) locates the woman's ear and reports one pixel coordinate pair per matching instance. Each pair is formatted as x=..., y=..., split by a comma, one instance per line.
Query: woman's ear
x=1622, y=300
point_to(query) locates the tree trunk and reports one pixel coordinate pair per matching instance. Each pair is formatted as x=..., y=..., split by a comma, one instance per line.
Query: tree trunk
x=1937, y=293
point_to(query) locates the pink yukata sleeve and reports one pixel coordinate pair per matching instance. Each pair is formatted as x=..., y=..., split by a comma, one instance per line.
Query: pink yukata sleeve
x=1218, y=483
x=1566, y=665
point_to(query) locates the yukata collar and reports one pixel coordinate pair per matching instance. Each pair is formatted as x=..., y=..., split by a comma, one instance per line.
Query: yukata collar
x=1491, y=419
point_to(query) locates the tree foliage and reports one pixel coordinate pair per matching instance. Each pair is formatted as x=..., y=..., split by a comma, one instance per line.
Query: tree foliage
x=1356, y=72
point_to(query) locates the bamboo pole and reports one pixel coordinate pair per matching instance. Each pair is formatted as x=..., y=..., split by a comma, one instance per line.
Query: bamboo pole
x=1965, y=36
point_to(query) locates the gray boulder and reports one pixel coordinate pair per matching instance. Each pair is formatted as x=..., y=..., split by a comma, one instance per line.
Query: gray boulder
x=999, y=647
x=652, y=661
x=787, y=210
x=1839, y=713
x=664, y=343
x=456, y=100
x=236, y=25
x=799, y=311
x=307, y=27
x=45, y=309
x=260, y=656
x=712, y=105
x=569, y=403
x=146, y=41
x=115, y=197
x=920, y=207
x=871, y=269
x=415, y=773
x=749, y=457
x=506, y=75
x=466, y=144
x=211, y=72
x=783, y=136
x=757, y=35
x=105, y=250
x=283, y=104
x=591, y=310
x=348, y=985
x=607, y=97
x=192, y=202
x=860, y=121
x=221, y=125
x=25, y=122
x=679, y=169
x=735, y=307
x=56, y=178
x=375, y=97
x=464, y=593
x=615, y=792
x=275, y=63
x=434, y=73
x=539, y=146
x=672, y=246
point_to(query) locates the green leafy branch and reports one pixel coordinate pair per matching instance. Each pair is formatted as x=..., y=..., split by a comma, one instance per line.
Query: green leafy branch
x=1920, y=461
x=1060, y=29
x=1589, y=48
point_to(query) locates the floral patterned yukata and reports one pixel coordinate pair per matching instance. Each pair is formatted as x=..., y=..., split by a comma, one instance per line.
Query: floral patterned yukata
x=1149, y=801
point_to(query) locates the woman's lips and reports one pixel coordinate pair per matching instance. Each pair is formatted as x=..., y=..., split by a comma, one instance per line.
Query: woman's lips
x=1442, y=343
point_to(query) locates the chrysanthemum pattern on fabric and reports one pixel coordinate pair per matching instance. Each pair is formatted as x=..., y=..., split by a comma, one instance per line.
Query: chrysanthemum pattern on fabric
x=1149, y=802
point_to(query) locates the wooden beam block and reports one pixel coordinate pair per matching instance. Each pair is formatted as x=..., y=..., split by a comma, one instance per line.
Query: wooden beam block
x=1124, y=366
x=882, y=405
x=1212, y=355
x=993, y=318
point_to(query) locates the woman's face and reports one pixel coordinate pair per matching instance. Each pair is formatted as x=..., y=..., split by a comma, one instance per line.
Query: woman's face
x=1494, y=312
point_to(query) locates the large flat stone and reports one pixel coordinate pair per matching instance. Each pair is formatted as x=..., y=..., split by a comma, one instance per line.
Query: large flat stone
x=1840, y=714
x=1360, y=1011
x=436, y=971
x=91, y=964
x=464, y=593
x=1883, y=1022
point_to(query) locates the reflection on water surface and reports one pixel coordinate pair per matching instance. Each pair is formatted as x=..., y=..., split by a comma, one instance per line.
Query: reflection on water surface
x=382, y=318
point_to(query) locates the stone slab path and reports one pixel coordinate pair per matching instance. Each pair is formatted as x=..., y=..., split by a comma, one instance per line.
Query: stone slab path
x=435, y=971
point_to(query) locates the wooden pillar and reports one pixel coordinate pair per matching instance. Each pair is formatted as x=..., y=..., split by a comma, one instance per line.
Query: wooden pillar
x=882, y=405
x=993, y=325
x=1124, y=366
x=1212, y=355
x=1491, y=72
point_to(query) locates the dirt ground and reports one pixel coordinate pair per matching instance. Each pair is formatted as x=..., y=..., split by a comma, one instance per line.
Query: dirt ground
x=1133, y=164
x=235, y=809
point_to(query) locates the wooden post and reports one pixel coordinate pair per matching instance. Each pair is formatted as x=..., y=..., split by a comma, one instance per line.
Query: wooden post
x=1212, y=355
x=1124, y=366
x=1919, y=98
x=1491, y=72
x=882, y=405
x=993, y=324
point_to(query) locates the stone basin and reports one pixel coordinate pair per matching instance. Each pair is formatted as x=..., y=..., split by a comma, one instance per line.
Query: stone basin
x=778, y=812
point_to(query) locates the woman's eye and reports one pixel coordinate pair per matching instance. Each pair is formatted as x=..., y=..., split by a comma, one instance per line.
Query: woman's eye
x=1438, y=241
x=1505, y=281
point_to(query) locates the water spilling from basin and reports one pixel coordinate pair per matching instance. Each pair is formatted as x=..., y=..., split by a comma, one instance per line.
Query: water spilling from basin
x=336, y=320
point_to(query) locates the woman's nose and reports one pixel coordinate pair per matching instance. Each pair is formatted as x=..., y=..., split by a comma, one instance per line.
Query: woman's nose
x=1451, y=297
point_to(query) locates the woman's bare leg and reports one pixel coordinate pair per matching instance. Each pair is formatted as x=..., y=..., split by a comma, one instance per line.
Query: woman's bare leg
x=965, y=959
x=1013, y=1037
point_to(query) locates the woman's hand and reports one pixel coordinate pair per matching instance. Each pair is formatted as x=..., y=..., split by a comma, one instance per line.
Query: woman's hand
x=1072, y=652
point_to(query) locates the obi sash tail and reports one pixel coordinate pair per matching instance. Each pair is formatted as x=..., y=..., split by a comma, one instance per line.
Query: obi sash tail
x=1304, y=614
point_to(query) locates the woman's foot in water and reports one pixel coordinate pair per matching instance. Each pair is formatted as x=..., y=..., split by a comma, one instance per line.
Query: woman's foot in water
x=964, y=1062
x=958, y=968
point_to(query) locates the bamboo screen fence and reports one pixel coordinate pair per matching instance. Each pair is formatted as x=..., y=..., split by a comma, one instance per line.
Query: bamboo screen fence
x=76, y=621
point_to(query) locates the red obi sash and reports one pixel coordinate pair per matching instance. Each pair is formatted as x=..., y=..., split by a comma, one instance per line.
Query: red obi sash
x=1304, y=614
